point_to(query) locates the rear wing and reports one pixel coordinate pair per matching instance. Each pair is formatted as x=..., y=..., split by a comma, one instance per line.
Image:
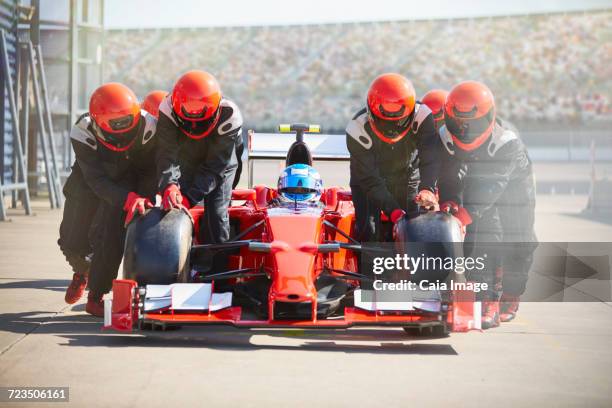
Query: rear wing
x=274, y=146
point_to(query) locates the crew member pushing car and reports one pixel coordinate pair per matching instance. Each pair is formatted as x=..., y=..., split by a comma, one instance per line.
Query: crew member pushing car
x=487, y=171
x=382, y=139
x=114, y=173
x=200, y=148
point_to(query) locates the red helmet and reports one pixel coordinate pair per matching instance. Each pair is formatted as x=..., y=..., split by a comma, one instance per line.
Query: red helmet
x=434, y=100
x=391, y=100
x=152, y=100
x=116, y=112
x=195, y=103
x=469, y=114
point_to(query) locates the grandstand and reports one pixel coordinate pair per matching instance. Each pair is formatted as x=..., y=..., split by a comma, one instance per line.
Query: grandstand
x=552, y=70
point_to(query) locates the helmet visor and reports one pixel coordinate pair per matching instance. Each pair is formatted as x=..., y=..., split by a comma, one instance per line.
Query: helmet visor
x=391, y=128
x=119, y=140
x=468, y=129
x=194, y=116
x=122, y=123
x=392, y=110
x=195, y=127
x=298, y=193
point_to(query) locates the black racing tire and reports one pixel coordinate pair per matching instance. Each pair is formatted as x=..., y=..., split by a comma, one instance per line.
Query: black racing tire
x=433, y=235
x=157, y=248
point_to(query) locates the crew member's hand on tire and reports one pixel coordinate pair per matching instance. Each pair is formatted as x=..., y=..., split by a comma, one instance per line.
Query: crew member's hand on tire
x=172, y=197
x=449, y=207
x=461, y=214
x=186, y=206
x=395, y=217
x=133, y=204
x=428, y=200
x=185, y=203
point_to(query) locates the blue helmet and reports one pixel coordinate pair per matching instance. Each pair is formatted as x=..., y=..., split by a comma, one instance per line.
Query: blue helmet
x=301, y=183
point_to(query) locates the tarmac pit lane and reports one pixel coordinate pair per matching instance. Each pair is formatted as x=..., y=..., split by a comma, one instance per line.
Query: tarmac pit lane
x=553, y=353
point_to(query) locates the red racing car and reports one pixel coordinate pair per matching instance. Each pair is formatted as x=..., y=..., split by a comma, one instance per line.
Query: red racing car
x=285, y=266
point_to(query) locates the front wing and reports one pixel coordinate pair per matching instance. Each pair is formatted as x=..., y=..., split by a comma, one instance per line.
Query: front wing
x=126, y=312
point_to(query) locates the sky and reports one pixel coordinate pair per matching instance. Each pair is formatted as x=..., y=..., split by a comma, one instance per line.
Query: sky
x=214, y=13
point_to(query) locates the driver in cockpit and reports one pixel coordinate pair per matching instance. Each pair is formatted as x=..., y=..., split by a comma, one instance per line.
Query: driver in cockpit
x=299, y=185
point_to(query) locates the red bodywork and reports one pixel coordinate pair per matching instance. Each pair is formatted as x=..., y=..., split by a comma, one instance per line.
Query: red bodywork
x=292, y=266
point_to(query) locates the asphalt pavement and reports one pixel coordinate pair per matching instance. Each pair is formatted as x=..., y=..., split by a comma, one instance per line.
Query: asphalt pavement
x=553, y=354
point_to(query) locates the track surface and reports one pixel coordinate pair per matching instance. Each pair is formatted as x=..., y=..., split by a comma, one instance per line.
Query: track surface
x=553, y=354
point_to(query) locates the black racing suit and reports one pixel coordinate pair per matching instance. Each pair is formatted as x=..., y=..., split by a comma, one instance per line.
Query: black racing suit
x=205, y=169
x=96, y=191
x=495, y=184
x=382, y=174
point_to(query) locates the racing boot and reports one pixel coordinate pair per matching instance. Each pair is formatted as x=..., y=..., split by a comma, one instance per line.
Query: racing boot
x=95, y=305
x=508, y=308
x=76, y=288
x=490, y=314
x=490, y=304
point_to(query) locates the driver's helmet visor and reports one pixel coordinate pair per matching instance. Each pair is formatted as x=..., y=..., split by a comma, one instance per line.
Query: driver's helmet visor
x=299, y=193
x=300, y=183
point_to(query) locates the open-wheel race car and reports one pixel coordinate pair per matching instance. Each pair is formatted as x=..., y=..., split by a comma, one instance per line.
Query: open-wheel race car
x=285, y=265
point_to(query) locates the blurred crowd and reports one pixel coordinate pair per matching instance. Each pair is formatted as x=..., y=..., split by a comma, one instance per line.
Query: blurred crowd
x=550, y=68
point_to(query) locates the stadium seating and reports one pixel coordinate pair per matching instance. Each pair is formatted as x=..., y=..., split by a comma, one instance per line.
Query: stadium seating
x=553, y=68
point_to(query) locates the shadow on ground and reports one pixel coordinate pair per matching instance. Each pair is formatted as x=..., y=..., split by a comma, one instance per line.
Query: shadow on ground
x=45, y=322
x=56, y=285
x=86, y=331
x=241, y=340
